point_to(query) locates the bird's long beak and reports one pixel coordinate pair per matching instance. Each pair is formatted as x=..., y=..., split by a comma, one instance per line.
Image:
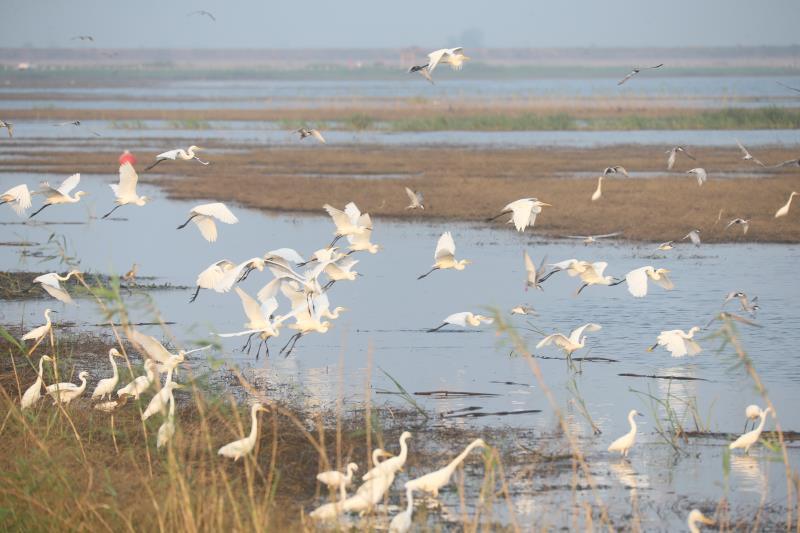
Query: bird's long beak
x=545, y=204
x=706, y=520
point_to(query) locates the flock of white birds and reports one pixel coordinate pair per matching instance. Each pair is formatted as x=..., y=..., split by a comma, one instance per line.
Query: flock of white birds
x=305, y=283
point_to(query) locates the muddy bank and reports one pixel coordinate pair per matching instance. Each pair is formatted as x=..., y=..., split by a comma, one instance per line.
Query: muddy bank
x=20, y=285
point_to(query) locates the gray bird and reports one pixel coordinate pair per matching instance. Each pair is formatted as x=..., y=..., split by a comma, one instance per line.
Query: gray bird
x=636, y=71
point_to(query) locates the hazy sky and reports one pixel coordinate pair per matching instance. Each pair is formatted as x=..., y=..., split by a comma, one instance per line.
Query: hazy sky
x=377, y=23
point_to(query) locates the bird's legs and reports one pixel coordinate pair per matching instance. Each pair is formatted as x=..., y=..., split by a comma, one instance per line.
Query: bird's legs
x=334, y=241
x=200, y=161
x=428, y=272
x=544, y=278
x=292, y=340
x=194, y=296
x=153, y=165
x=432, y=330
x=244, y=274
x=248, y=343
x=115, y=208
x=185, y=223
x=328, y=285
x=39, y=210
x=495, y=217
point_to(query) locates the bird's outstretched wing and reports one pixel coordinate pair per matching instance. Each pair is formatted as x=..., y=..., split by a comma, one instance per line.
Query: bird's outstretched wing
x=445, y=247
x=217, y=210
x=434, y=58
x=127, y=180
x=69, y=184
x=152, y=348
x=318, y=136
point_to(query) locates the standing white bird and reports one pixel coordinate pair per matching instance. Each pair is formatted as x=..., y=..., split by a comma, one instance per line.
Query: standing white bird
x=434, y=481
x=334, y=479
x=696, y=516
x=348, y=222
x=673, y=154
x=34, y=392
x=37, y=334
x=50, y=283
x=598, y=193
x=700, y=174
x=745, y=223
x=401, y=523
x=239, y=448
x=393, y=464
x=693, y=236
x=105, y=387
x=141, y=383
x=637, y=280
x=306, y=132
x=747, y=440
x=19, y=197
x=783, y=211
x=445, y=256
x=533, y=275
x=636, y=71
x=66, y=392
x=158, y=403
x=751, y=413
x=179, y=153
x=462, y=319
x=626, y=442
x=203, y=216
x=746, y=155
x=167, y=428
x=416, y=199
x=61, y=195
x=678, y=342
x=523, y=212
x=125, y=190
x=453, y=56
x=574, y=342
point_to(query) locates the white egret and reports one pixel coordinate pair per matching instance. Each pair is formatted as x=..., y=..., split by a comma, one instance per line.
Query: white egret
x=533, y=275
x=309, y=319
x=617, y=169
x=158, y=403
x=783, y=211
x=693, y=236
x=747, y=440
x=598, y=192
x=141, y=383
x=696, y=516
x=678, y=342
x=700, y=174
x=523, y=310
x=452, y=56
x=61, y=195
x=523, y=212
x=37, y=334
x=416, y=199
x=50, y=283
x=574, y=267
x=125, y=190
x=260, y=320
x=178, y=153
x=306, y=132
x=347, y=222
x=751, y=413
x=239, y=448
x=334, y=479
x=745, y=223
x=105, y=387
x=434, y=481
x=167, y=428
x=444, y=256
x=401, y=523
x=109, y=406
x=203, y=216
x=34, y=392
x=673, y=154
x=574, y=342
x=368, y=494
x=626, y=442
x=463, y=319
x=591, y=239
x=340, y=271
x=746, y=155
x=593, y=274
x=636, y=71
x=360, y=242
x=637, y=280
x=66, y=392
x=393, y=464
x=208, y=278
x=9, y=126
x=19, y=197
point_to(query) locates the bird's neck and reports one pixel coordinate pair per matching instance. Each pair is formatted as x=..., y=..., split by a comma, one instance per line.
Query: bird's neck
x=253, y=426
x=114, y=366
x=460, y=457
x=760, y=427
x=632, y=422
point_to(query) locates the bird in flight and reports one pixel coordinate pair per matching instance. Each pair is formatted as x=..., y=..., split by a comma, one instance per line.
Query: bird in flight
x=745, y=223
x=83, y=38
x=636, y=71
x=673, y=154
x=693, y=236
x=203, y=13
x=77, y=124
x=423, y=71
x=416, y=199
x=700, y=174
x=589, y=239
x=9, y=126
x=746, y=156
x=787, y=87
x=305, y=132
x=453, y=56
x=616, y=169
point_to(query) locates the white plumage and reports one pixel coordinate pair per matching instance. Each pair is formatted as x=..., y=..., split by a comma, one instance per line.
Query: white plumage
x=239, y=448
x=626, y=442
x=204, y=216
x=637, y=280
x=678, y=342
x=19, y=197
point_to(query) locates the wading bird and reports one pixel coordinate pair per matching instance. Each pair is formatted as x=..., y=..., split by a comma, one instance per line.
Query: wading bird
x=309, y=319
x=109, y=406
x=700, y=174
x=533, y=275
x=452, y=56
x=19, y=197
x=445, y=256
x=696, y=516
x=637, y=280
x=348, y=222
x=203, y=13
x=401, y=523
x=260, y=320
x=746, y=156
x=208, y=278
x=158, y=403
x=37, y=334
x=752, y=413
x=66, y=392
x=422, y=70
x=745, y=223
x=636, y=71
x=678, y=342
x=335, y=480
x=239, y=448
x=747, y=440
x=626, y=442
x=462, y=319
x=590, y=239
x=783, y=211
x=141, y=383
x=305, y=132
x=416, y=199
x=9, y=126
x=573, y=343
x=125, y=191
x=615, y=170
x=34, y=392
x=598, y=192
x=203, y=216
x=693, y=236
x=434, y=481
x=105, y=387
x=61, y=195
x=167, y=428
x=154, y=350
x=593, y=274
x=50, y=283
x=673, y=155
x=393, y=464
x=179, y=153
x=523, y=212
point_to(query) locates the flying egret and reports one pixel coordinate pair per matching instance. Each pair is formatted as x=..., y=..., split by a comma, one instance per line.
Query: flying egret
x=37, y=334
x=360, y=242
x=673, y=155
x=533, y=275
x=693, y=236
x=444, y=257
x=616, y=170
x=747, y=440
x=574, y=267
x=696, y=516
x=348, y=222
x=523, y=212
x=141, y=383
x=66, y=392
x=598, y=192
x=593, y=274
x=626, y=442
x=401, y=523
x=523, y=310
x=636, y=71
x=334, y=479
x=574, y=342
x=311, y=132
x=453, y=56
x=783, y=211
x=700, y=174
x=309, y=319
x=9, y=126
x=105, y=387
x=203, y=216
x=340, y=271
x=179, y=153
x=590, y=239
x=158, y=403
x=746, y=156
x=239, y=448
x=167, y=428
x=125, y=191
x=393, y=464
x=751, y=413
x=462, y=319
x=434, y=481
x=19, y=197
x=203, y=13
x=208, y=278
x=637, y=280
x=260, y=320
x=678, y=342
x=34, y=392
x=156, y=351
x=416, y=199
x=423, y=71
x=745, y=223
x=50, y=283
x=61, y=195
